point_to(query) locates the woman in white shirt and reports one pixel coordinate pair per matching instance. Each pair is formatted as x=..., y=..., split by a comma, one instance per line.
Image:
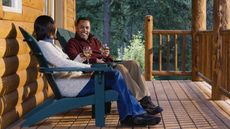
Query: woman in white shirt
x=71, y=84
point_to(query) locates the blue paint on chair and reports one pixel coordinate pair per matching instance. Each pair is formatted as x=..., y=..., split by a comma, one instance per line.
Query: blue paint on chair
x=58, y=103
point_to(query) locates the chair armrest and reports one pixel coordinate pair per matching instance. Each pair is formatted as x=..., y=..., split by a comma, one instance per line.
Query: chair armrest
x=118, y=61
x=94, y=68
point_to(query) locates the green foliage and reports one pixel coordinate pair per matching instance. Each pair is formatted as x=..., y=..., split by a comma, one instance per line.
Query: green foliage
x=135, y=51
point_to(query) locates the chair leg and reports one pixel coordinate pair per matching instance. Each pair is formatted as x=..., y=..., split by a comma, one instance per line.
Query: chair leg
x=107, y=109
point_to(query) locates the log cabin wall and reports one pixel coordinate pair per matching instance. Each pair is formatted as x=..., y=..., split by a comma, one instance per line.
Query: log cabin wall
x=65, y=14
x=22, y=87
x=70, y=15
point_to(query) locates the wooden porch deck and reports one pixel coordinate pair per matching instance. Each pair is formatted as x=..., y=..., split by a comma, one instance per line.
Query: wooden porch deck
x=186, y=105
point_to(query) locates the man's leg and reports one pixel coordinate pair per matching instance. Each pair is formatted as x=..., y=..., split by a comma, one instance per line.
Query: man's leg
x=132, y=73
x=132, y=68
x=136, y=90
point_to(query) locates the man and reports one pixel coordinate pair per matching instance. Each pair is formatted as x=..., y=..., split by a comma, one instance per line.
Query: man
x=129, y=69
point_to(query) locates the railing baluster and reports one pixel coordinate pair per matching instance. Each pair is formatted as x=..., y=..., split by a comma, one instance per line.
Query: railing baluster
x=224, y=63
x=202, y=54
x=160, y=52
x=168, y=52
x=206, y=54
x=183, y=52
x=175, y=52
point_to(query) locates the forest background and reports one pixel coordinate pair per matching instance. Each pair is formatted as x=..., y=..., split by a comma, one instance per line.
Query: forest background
x=120, y=23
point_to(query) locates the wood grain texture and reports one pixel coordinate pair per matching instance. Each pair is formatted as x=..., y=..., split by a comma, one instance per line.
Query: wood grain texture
x=19, y=79
x=11, y=65
x=198, y=23
x=1, y=12
x=20, y=110
x=148, y=47
x=17, y=97
x=19, y=90
x=9, y=29
x=28, y=15
x=13, y=47
x=35, y=4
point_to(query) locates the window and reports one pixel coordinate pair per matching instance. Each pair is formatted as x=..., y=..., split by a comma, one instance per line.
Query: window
x=12, y=6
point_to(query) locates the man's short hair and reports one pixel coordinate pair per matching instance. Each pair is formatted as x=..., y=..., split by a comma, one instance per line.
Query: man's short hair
x=81, y=19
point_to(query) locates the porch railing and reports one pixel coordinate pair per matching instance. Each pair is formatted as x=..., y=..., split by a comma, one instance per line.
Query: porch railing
x=212, y=57
x=225, y=62
x=172, y=47
x=205, y=48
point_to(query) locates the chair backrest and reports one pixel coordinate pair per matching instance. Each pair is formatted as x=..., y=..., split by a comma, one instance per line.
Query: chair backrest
x=63, y=37
x=32, y=42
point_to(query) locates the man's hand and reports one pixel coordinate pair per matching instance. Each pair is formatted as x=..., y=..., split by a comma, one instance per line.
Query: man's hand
x=105, y=52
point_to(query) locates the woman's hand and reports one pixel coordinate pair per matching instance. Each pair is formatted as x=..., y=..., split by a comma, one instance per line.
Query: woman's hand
x=80, y=58
x=99, y=61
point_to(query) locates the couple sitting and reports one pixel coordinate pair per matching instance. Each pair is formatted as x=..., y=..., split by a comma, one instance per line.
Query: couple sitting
x=130, y=111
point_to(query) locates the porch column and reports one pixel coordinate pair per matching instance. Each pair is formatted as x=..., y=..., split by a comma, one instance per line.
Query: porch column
x=198, y=23
x=221, y=18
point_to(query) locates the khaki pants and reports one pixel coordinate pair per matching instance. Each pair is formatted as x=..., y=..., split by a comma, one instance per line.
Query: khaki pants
x=131, y=72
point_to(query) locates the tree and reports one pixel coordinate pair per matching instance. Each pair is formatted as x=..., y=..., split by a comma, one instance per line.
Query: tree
x=107, y=17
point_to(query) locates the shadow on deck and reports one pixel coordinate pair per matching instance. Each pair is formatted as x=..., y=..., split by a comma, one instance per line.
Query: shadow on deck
x=186, y=105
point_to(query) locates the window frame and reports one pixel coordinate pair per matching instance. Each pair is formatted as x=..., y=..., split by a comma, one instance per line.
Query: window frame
x=16, y=6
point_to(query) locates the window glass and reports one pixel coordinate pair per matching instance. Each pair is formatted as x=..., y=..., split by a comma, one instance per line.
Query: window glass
x=12, y=5
x=7, y=3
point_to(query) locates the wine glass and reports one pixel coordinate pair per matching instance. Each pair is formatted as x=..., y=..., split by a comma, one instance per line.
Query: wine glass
x=87, y=51
x=105, y=50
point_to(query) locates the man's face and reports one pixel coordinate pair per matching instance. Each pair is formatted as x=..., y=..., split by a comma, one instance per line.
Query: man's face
x=83, y=29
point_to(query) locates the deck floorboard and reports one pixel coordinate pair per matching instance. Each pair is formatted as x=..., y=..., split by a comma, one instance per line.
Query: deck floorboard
x=187, y=105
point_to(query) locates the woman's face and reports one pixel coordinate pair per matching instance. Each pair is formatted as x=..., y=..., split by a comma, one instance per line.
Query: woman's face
x=83, y=29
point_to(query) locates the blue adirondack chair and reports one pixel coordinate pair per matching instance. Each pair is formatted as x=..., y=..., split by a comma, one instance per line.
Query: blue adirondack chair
x=63, y=37
x=59, y=103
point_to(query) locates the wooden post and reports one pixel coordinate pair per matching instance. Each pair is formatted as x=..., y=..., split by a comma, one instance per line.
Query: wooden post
x=198, y=23
x=148, y=47
x=220, y=17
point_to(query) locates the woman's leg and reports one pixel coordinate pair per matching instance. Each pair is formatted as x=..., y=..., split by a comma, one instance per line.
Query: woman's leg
x=126, y=103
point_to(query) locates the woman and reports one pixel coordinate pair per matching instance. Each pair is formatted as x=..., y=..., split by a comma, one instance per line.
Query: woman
x=129, y=109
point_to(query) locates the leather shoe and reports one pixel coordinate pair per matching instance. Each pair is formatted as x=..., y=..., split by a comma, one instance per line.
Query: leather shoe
x=153, y=111
x=141, y=120
x=149, y=107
